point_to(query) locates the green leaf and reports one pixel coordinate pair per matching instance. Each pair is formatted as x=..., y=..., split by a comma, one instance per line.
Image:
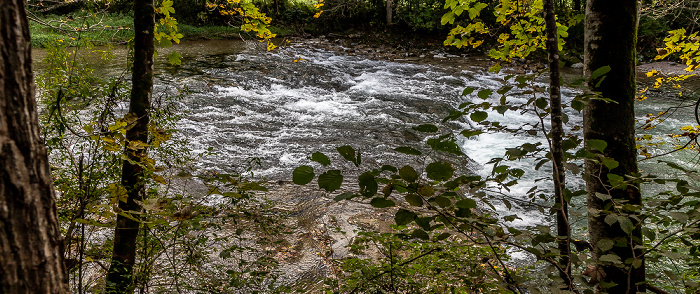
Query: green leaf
x=609, y=163
x=303, y=175
x=605, y=244
x=577, y=105
x=612, y=258
x=381, y=202
x=414, y=200
x=596, y=144
x=602, y=196
x=345, y=196
x=439, y=171
x=572, y=167
x=625, y=224
x=174, y=58
x=650, y=234
x=348, y=153
x=408, y=150
x=504, y=89
x=426, y=128
x=445, y=146
x=441, y=201
x=403, y=217
x=615, y=180
x=330, y=180
x=443, y=236
x=470, y=133
x=610, y=219
x=424, y=222
x=426, y=190
x=320, y=158
x=420, y=234
x=467, y=91
x=541, y=103
x=408, y=173
x=368, y=184
x=599, y=72
x=466, y=203
x=484, y=94
x=448, y=17
x=478, y=116
x=390, y=168
x=682, y=217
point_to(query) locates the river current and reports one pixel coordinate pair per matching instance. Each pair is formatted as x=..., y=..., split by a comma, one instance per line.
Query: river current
x=279, y=107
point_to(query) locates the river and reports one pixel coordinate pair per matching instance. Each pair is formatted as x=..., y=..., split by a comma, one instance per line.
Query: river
x=282, y=106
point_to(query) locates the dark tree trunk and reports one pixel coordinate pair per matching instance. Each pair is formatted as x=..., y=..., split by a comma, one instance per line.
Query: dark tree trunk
x=120, y=275
x=560, y=205
x=577, y=5
x=31, y=259
x=610, y=40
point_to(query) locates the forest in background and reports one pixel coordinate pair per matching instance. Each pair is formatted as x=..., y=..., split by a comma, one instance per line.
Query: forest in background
x=130, y=174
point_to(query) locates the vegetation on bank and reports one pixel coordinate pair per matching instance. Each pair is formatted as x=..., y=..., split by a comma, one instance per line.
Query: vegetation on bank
x=118, y=29
x=116, y=172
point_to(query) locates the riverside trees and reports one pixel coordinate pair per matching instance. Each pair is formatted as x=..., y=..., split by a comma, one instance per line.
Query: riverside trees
x=610, y=43
x=30, y=241
x=134, y=171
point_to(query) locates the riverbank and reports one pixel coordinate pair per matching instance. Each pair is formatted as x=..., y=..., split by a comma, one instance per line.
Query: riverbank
x=117, y=29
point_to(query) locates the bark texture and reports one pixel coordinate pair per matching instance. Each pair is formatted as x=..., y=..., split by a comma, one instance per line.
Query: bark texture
x=389, y=12
x=560, y=204
x=610, y=40
x=30, y=242
x=120, y=274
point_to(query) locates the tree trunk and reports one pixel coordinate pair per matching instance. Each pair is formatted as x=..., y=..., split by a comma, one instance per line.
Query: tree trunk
x=31, y=259
x=389, y=10
x=560, y=205
x=610, y=40
x=120, y=274
x=577, y=5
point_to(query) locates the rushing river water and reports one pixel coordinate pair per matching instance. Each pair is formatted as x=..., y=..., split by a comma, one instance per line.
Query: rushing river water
x=281, y=106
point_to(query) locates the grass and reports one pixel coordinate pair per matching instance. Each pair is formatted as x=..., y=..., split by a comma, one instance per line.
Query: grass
x=116, y=29
x=100, y=29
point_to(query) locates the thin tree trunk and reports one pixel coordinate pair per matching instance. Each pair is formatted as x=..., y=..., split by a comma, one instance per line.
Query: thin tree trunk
x=610, y=40
x=120, y=274
x=560, y=205
x=389, y=10
x=31, y=259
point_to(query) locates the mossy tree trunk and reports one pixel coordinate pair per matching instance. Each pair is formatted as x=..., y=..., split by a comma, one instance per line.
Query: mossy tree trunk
x=31, y=259
x=120, y=274
x=610, y=40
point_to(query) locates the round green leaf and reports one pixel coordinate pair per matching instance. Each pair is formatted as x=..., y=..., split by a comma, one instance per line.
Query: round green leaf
x=321, y=158
x=439, y=171
x=403, y=217
x=478, y=116
x=420, y=234
x=466, y=203
x=368, y=184
x=408, y=173
x=381, y=202
x=330, y=180
x=484, y=94
x=414, y=200
x=303, y=175
x=426, y=128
